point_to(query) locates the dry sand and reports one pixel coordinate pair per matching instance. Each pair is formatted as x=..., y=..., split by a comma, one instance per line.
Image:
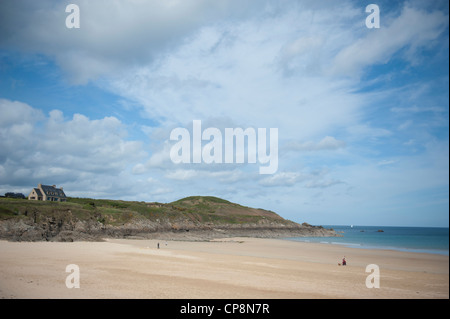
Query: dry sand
x=222, y=269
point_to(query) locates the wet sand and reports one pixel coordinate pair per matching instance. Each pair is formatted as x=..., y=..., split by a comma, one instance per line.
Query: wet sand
x=220, y=269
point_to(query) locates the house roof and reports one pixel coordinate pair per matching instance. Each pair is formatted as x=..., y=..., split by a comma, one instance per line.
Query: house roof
x=52, y=191
x=38, y=191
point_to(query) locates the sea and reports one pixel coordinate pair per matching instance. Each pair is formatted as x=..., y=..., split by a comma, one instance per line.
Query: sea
x=432, y=240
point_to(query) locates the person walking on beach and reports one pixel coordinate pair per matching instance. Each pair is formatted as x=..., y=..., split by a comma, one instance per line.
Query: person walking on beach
x=344, y=262
x=158, y=245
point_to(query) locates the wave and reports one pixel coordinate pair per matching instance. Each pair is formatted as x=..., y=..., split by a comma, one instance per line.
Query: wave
x=346, y=244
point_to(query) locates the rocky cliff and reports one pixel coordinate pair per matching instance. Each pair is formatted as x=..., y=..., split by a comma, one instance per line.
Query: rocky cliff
x=192, y=218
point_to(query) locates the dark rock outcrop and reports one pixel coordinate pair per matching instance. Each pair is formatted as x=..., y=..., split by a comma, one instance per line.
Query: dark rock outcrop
x=67, y=228
x=58, y=226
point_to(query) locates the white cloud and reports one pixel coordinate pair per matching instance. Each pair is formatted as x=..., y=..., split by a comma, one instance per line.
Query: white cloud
x=16, y=129
x=182, y=174
x=327, y=143
x=396, y=33
x=323, y=184
x=221, y=176
x=367, y=132
x=416, y=109
x=282, y=179
x=233, y=70
x=113, y=35
x=17, y=113
x=38, y=149
x=405, y=125
x=386, y=162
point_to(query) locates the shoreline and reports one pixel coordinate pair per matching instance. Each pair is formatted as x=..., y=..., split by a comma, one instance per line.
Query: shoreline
x=370, y=247
x=227, y=268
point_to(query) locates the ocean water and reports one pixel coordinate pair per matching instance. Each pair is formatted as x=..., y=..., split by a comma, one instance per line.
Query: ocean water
x=433, y=240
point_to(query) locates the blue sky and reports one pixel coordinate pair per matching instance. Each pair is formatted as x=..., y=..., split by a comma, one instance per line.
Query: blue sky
x=362, y=113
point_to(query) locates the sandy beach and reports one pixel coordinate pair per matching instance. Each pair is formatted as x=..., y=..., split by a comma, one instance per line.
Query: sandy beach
x=220, y=269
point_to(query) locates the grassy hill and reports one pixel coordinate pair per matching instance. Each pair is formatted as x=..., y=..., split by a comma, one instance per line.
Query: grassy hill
x=203, y=209
x=26, y=220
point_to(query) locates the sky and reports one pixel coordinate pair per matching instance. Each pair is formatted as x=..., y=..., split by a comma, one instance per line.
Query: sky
x=362, y=114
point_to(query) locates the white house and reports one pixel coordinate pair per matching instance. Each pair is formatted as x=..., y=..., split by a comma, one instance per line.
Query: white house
x=47, y=193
